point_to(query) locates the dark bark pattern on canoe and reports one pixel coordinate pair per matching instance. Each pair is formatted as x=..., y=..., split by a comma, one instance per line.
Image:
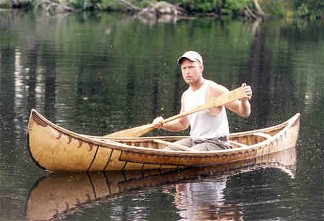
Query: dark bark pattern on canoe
x=39, y=121
x=94, y=157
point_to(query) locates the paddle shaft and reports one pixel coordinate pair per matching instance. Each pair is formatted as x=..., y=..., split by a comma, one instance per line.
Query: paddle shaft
x=216, y=102
x=220, y=100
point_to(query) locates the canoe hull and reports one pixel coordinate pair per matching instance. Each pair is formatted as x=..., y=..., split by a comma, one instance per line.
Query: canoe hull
x=57, y=149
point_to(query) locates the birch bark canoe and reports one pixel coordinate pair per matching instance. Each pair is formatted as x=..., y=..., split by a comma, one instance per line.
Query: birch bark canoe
x=56, y=149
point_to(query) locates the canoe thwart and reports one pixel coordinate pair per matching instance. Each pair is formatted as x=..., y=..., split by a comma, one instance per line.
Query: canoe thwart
x=236, y=143
x=182, y=147
x=261, y=134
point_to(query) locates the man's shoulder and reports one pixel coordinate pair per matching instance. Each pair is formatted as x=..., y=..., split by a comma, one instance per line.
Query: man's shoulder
x=185, y=92
x=215, y=87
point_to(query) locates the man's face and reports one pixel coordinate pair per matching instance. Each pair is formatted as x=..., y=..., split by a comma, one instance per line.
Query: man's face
x=191, y=71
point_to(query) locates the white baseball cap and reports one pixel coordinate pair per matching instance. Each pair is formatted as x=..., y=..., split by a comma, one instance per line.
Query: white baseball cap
x=192, y=56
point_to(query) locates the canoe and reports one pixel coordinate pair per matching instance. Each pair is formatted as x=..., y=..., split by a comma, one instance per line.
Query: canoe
x=58, y=195
x=56, y=149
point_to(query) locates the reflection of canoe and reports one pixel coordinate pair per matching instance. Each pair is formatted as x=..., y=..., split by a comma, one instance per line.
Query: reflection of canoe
x=66, y=193
x=57, y=149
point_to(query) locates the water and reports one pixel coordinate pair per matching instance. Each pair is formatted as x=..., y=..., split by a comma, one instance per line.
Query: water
x=99, y=73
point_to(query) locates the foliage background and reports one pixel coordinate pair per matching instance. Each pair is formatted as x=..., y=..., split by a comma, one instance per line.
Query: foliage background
x=306, y=9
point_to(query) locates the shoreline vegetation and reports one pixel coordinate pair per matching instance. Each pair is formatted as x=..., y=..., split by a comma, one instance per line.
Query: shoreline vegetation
x=245, y=9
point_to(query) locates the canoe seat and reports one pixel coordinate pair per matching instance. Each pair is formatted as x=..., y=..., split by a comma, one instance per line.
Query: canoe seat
x=260, y=134
x=236, y=143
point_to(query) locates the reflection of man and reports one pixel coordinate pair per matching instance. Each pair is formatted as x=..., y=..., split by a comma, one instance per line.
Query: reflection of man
x=205, y=201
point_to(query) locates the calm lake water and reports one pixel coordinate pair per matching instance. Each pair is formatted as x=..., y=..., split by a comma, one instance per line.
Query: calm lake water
x=100, y=73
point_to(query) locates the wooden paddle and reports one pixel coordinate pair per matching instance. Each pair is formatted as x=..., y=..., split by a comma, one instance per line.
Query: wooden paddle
x=223, y=99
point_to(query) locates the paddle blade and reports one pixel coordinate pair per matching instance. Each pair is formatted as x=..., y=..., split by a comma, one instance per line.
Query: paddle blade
x=133, y=132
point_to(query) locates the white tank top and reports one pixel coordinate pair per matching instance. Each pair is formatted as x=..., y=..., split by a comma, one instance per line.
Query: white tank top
x=204, y=125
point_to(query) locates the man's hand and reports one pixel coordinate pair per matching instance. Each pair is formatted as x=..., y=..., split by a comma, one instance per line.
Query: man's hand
x=247, y=92
x=158, y=122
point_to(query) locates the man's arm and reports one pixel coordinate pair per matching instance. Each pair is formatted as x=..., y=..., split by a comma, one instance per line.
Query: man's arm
x=176, y=125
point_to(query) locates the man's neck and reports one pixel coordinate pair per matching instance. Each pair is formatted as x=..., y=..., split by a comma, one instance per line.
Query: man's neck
x=197, y=85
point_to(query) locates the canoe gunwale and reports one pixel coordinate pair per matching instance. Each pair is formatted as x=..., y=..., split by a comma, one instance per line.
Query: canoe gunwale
x=111, y=143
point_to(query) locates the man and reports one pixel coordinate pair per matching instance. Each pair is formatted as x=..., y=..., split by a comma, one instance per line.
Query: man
x=209, y=129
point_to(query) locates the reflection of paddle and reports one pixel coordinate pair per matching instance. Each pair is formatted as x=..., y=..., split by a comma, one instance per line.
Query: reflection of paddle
x=223, y=99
